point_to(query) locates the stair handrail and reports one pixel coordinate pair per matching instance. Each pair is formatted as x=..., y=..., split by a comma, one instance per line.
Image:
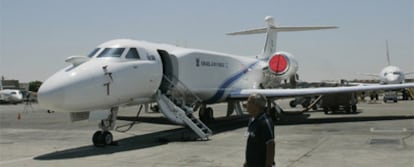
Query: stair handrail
x=181, y=93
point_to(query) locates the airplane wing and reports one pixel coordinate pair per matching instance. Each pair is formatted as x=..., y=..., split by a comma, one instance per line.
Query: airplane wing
x=409, y=73
x=274, y=93
x=368, y=74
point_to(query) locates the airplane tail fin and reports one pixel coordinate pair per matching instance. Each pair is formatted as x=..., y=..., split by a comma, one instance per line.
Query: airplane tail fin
x=388, y=53
x=271, y=30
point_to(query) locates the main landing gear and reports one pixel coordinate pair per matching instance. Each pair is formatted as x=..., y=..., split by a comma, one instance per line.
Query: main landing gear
x=206, y=114
x=104, y=137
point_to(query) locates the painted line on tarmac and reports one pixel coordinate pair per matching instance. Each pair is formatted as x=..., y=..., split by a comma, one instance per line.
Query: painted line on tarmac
x=402, y=130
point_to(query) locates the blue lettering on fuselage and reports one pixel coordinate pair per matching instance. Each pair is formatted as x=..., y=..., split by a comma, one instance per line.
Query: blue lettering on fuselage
x=220, y=92
x=208, y=63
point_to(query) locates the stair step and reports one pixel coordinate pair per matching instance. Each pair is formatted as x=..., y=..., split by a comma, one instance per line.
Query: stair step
x=181, y=112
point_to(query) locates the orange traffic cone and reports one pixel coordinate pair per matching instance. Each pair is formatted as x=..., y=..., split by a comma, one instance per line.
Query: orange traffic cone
x=19, y=117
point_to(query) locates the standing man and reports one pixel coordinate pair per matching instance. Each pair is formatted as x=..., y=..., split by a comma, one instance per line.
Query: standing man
x=260, y=149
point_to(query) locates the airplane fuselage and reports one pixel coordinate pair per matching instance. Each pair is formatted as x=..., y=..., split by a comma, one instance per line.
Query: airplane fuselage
x=391, y=75
x=11, y=96
x=112, y=77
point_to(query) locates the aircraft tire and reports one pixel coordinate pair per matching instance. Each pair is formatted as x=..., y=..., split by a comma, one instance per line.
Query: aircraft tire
x=315, y=107
x=206, y=115
x=209, y=114
x=97, y=139
x=292, y=103
x=348, y=109
x=107, y=138
x=326, y=110
x=354, y=108
x=334, y=108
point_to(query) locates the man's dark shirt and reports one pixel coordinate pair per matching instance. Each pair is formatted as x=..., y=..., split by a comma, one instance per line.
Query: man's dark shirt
x=260, y=132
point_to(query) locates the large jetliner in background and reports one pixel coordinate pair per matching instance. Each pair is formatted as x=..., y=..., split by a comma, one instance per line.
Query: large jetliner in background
x=390, y=74
x=127, y=72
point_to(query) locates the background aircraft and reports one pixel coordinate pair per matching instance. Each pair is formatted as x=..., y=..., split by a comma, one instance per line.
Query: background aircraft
x=11, y=96
x=390, y=74
x=181, y=80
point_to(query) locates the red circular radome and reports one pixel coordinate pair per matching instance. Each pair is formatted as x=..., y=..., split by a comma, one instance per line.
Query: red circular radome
x=278, y=63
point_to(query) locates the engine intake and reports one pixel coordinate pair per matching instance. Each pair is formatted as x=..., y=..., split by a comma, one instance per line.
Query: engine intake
x=283, y=64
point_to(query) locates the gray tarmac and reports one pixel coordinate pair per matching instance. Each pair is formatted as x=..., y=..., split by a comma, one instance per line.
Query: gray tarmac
x=378, y=135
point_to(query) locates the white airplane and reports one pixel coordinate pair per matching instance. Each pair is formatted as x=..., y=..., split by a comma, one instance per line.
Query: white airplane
x=11, y=96
x=390, y=74
x=181, y=80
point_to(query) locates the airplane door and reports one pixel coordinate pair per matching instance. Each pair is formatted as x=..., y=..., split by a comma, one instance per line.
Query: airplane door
x=169, y=70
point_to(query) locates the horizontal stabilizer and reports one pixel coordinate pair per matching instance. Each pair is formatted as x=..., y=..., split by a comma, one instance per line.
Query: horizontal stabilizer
x=271, y=30
x=247, y=32
x=280, y=29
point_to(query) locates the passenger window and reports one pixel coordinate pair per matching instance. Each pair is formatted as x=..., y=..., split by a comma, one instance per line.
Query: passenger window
x=132, y=54
x=111, y=52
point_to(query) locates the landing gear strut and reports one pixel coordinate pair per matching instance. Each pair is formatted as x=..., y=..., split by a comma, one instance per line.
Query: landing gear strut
x=103, y=137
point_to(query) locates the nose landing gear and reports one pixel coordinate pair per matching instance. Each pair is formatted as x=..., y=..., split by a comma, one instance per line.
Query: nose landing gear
x=104, y=137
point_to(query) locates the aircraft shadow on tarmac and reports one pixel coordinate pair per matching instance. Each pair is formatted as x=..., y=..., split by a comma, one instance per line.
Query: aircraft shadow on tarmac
x=146, y=140
x=186, y=135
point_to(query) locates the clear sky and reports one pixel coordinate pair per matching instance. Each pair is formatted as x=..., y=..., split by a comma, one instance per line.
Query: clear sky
x=37, y=35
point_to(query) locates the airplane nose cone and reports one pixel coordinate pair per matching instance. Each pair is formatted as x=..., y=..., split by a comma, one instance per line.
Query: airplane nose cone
x=72, y=89
x=50, y=95
x=393, y=79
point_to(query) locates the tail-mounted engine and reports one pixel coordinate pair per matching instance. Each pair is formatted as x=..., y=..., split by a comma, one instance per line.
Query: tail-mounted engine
x=282, y=66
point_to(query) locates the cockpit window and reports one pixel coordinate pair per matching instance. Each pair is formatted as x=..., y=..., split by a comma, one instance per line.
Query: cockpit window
x=93, y=52
x=397, y=73
x=132, y=54
x=111, y=52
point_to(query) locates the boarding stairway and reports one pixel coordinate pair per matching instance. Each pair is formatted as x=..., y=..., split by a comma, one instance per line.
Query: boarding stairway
x=175, y=104
x=411, y=92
